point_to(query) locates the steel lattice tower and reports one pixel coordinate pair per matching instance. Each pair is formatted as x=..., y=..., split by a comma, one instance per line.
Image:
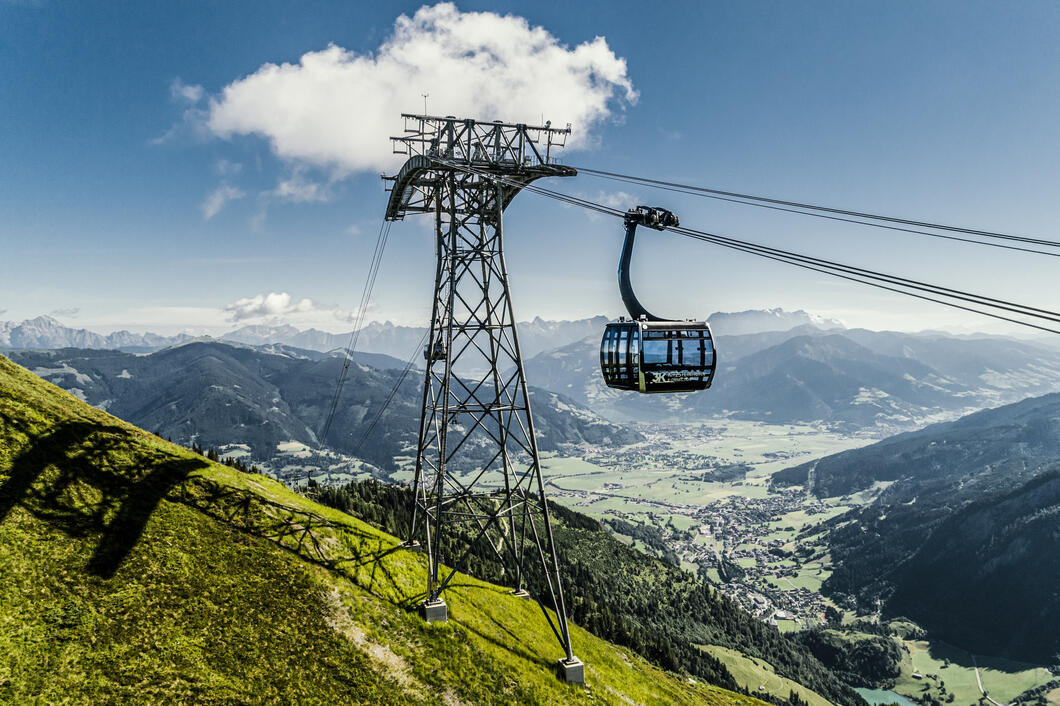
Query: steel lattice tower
x=478, y=473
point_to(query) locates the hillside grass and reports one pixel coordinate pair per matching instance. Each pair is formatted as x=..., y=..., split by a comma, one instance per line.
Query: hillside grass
x=1003, y=679
x=135, y=571
x=751, y=673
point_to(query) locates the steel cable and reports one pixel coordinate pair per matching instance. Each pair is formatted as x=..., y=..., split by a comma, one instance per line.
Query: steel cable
x=827, y=209
x=366, y=295
x=894, y=283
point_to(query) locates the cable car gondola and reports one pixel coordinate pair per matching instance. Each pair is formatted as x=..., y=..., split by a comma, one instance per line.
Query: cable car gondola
x=646, y=353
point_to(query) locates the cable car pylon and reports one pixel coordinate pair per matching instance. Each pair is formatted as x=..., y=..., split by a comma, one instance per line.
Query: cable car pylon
x=478, y=478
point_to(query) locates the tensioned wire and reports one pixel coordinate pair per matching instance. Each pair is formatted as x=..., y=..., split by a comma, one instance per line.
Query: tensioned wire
x=366, y=295
x=821, y=211
x=893, y=283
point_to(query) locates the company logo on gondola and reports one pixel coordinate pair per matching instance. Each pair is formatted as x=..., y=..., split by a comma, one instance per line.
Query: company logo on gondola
x=677, y=376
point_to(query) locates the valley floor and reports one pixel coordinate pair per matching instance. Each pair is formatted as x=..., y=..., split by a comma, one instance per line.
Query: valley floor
x=674, y=483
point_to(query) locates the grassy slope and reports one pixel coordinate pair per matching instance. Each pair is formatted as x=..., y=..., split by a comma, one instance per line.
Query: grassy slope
x=132, y=571
x=1003, y=679
x=751, y=673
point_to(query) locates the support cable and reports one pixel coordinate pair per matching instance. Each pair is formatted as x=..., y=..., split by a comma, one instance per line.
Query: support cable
x=366, y=295
x=393, y=391
x=894, y=283
x=869, y=283
x=696, y=192
x=857, y=214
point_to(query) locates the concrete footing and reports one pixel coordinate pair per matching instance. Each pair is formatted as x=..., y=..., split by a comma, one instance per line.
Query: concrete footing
x=521, y=593
x=434, y=611
x=572, y=670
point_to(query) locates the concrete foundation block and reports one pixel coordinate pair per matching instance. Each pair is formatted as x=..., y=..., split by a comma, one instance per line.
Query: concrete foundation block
x=434, y=611
x=572, y=670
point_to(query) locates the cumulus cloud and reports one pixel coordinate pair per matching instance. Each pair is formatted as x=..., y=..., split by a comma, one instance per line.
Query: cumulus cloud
x=217, y=199
x=619, y=200
x=351, y=316
x=336, y=108
x=265, y=305
x=616, y=199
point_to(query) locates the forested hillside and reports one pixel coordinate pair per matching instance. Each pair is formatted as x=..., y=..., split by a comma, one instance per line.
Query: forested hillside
x=965, y=536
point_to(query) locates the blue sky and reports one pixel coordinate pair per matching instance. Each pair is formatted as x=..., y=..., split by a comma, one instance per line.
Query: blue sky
x=116, y=131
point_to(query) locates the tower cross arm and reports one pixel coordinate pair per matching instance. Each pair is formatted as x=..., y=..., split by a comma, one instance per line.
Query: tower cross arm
x=477, y=143
x=437, y=146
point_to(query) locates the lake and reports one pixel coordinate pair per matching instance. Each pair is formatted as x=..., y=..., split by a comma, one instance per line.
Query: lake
x=875, y=697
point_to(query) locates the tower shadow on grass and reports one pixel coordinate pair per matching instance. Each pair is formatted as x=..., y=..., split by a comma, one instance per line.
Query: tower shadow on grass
x=340, y=548
x=78, y=478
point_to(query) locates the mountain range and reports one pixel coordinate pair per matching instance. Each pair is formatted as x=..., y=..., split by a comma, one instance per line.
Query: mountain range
x=815, y=371
x=964, y=536
x=387, y=338
x=271, y=402
x=850, y=378
x=45, y=332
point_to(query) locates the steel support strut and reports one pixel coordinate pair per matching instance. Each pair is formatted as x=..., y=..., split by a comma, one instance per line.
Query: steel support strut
x=477, y=483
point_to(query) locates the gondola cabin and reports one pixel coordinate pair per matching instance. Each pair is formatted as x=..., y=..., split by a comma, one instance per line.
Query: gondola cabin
x=657, y=356
x=647, y=353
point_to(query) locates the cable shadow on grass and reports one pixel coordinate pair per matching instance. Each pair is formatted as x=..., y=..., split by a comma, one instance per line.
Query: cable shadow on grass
x=342, y=549
x=79, y=479
x=338, y=547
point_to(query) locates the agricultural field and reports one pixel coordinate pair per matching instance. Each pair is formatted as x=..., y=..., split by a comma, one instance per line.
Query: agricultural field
x=756, y=675
x=943, y=669
x=705, y=487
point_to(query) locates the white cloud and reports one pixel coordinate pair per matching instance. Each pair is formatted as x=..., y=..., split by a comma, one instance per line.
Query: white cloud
x=350, y=316
x=616, y=199
x=294, y=189
x=70, y=313
x=180, y=91
x=265, y=305
x=298, y=189
x=227, y=167
x=336, y=108
x=619, y=200
x=353, y=230
x=257, y=221
x=193, y=118
x=217, y=199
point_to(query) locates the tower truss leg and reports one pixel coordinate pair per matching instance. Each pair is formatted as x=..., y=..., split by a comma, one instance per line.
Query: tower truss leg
x=478, y=482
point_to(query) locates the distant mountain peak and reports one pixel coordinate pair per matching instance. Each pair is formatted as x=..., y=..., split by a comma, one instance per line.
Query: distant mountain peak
x=739, y=323
x=43, y=319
